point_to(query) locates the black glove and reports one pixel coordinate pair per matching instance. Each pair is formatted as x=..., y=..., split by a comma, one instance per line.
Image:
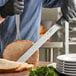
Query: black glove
x=12, y=7
x=68, y=9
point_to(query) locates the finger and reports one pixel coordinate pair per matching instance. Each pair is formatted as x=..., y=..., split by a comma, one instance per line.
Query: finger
x=73, y=12
x=17, y=11
x=19, y=6
x=67, y=14
x=20, y=2
x=67, y=17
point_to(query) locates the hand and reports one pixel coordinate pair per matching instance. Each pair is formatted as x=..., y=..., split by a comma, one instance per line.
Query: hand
x=68, y=9
x=12, y=7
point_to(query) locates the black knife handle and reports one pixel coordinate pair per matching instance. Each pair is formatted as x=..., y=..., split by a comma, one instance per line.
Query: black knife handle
x=60, y=21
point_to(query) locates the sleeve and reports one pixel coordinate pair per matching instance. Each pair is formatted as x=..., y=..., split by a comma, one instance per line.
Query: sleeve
x=51, y=3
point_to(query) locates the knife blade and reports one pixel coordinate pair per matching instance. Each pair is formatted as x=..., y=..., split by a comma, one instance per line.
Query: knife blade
x=42, y=40
x=18, y=37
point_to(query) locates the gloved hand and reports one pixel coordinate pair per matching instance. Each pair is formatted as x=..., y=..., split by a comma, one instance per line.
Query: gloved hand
x=12, y=7
x=68, y=9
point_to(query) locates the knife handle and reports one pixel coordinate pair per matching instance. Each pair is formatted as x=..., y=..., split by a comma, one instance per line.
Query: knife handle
x=61, y=21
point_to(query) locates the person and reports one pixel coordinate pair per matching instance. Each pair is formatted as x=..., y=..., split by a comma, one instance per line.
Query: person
x=8, y=8
x=30, y=19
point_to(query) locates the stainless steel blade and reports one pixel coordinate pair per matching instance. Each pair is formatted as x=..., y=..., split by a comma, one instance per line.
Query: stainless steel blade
x=41, y=41
x=18, y=37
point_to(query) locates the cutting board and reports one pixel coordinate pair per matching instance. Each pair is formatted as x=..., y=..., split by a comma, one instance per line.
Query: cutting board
x=24, y=73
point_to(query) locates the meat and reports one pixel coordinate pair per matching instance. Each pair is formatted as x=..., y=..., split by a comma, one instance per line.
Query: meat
x=17, y=48
x=42, y=30
x=12, y=66
x=8, y=66
x=24, y=66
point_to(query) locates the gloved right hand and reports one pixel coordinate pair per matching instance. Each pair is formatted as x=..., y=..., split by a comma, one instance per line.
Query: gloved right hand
x=11, y=8
x=68, y=9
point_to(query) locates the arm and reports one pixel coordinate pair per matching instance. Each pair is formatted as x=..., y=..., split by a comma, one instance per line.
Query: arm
x=51, y=3
x=1, y=19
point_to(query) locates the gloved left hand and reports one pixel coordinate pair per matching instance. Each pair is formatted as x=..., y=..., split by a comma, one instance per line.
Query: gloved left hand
x=68, y=8
x=12, y=7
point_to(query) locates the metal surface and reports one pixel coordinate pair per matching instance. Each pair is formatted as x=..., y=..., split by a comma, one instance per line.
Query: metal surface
x=42, y=40
x=18, y=37
x=66, y=37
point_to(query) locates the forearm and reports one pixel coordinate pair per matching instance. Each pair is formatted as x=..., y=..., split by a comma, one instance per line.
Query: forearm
x=51, y=3
x=1, y=19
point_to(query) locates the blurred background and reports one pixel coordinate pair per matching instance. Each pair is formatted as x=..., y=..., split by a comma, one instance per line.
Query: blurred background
x=63, y=41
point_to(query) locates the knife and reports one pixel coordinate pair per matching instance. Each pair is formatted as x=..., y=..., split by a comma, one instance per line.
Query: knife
x=18, y=37
x=42, y=40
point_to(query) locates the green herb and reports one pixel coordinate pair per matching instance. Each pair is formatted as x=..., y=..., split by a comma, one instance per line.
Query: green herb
x=44, y=71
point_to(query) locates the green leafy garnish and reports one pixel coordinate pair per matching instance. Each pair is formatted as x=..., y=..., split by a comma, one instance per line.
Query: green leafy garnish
x=44, y=71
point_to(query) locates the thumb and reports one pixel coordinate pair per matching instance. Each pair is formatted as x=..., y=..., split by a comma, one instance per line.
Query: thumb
x=20, y=0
